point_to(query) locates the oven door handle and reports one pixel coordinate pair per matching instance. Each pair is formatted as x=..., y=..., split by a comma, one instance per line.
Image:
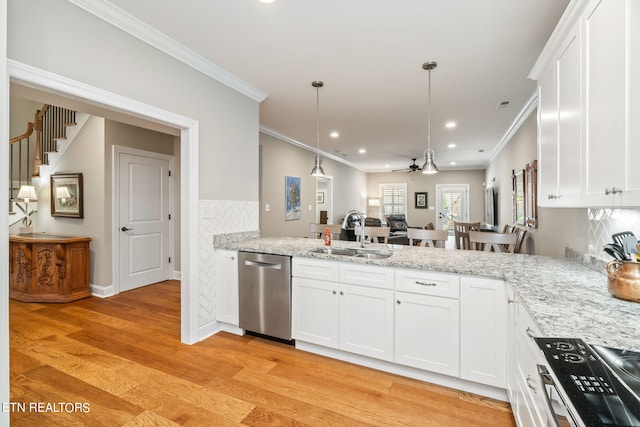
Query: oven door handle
x=547, y=380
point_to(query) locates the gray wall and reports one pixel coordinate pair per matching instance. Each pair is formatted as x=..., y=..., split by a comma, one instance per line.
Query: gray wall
x=417, y=182
x=557, y=227
x=101, y=55
x=90, y=154
x=280, y=159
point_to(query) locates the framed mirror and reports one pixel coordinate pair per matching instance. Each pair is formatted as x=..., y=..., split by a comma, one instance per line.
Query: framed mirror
x=517, y=178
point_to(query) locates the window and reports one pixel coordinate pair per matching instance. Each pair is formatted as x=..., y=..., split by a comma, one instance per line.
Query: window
x=393, y=199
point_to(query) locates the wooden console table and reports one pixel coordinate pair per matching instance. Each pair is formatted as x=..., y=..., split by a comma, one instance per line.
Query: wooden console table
x=48, y=268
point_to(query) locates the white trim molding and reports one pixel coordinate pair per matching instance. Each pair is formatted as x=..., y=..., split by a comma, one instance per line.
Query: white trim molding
x=274, y=133
x=128, y=23
x=189, y=145
x=567, y=20
x=523, y=115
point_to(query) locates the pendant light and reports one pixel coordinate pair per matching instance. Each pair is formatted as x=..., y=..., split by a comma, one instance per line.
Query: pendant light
x=317, y=168
x=429, y=167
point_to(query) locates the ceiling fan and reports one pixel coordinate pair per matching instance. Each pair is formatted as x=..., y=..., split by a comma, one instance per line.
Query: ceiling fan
x=413, y=167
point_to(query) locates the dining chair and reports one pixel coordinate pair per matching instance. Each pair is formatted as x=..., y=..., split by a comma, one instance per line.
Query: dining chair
x=427, y=237
x=521, y=233
x=509, y=228
x=372, y=234
x=461, y=233
x=497, y=242
x=317, y=230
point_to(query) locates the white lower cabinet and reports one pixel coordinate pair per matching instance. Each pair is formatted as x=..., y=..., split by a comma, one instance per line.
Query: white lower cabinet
x=427, y=332
x=357, y=319
x=523, y=382
x=483, y=331
x=366, y=321
x=227, y=286
x=315, y=311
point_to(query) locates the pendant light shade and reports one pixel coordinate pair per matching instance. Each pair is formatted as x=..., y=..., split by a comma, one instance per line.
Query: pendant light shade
x=317, y=168
x=429, y=166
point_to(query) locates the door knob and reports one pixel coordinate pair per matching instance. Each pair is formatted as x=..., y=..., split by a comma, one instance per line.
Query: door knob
x=126, y=229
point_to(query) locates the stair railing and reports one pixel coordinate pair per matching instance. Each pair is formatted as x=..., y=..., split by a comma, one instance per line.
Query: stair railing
x=49, y=125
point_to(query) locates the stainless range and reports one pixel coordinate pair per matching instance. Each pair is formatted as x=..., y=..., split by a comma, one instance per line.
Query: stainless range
x=598, y=386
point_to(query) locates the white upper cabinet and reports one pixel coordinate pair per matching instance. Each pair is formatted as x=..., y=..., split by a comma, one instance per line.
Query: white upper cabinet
x=559, y=127
x=605, y=81
x=589, y=108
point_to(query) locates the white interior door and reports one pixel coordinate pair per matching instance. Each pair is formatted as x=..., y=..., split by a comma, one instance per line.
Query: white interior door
x=144, y=219
x=452, y=204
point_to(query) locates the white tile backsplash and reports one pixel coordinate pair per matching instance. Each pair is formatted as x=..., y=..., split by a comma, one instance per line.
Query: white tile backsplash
x=218, y=217
x=605, y=222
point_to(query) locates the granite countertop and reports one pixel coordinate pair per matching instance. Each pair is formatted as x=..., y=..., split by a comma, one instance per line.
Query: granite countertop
x=565, y=298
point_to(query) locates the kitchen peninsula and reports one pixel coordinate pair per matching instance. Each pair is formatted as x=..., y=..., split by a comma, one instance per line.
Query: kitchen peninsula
x=565, y=298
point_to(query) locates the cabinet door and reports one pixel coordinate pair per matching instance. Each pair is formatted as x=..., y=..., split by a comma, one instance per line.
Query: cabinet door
x=483, y=331
x=427, y=333
x=605, y=138
x=569, y=86
x=548, y=137
x=512, y=369
x=227, y=286
x=366, y=321
x=315, y=311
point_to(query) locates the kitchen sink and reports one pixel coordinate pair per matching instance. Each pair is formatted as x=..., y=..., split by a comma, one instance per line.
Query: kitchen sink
x=360, y=253
x=373, y=255
x=337, y=251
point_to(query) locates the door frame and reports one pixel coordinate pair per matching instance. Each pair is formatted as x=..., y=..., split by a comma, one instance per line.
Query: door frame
x=440, y=187
x=329, y=180
x=189, y=142
x=115, y=206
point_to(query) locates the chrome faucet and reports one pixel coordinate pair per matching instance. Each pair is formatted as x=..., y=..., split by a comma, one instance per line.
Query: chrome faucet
x=363, y=241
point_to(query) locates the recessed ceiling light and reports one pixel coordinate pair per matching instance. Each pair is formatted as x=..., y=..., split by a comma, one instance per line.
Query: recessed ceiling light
x=481, y=150
x=450, y=125
x=362, y=151
x=334, y=134
x=387, y=166
x=267, y=1
x=452, y=163
x=452, y=145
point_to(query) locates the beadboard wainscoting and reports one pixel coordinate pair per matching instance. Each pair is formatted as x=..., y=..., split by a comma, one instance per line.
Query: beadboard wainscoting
x=218, y=217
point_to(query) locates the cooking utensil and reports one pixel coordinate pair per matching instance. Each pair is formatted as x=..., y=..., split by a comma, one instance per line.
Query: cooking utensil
x=629, y=246
x=615, y=251
x=619, y=237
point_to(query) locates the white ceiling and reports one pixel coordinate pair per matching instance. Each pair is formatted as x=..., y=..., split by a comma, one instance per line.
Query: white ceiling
x=369, y=53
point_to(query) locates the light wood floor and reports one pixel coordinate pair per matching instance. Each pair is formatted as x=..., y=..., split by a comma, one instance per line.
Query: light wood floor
x=123, y=357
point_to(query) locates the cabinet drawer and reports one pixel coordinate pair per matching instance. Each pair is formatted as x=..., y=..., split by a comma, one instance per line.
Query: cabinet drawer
x=428, y=283
x=366, y=275
x=524, y=322
x=315, y=269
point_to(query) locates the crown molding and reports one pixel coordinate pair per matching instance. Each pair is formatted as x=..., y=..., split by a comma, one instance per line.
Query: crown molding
x=126, y=22
x=568, y=19
x=274, y=133
x=523, y=115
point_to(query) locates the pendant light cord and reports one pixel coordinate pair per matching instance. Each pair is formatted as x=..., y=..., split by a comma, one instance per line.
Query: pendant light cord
x=318, y=118
x=429, y=113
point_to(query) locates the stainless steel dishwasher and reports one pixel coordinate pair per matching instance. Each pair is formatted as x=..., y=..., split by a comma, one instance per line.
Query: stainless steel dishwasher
x=265, y=294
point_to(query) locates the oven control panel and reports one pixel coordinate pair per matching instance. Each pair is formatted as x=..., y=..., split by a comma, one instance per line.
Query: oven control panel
x=598, y=396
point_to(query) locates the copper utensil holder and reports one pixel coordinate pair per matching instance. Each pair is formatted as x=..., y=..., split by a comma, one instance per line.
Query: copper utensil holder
x=624, y=280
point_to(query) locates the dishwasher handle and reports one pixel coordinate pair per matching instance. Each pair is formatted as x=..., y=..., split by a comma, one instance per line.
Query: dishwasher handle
x=263, y=264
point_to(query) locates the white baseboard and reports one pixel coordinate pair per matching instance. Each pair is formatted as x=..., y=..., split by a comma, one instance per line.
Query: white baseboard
x=102, y=291
x=406, y=371
x=213, y=328
x=177, y=275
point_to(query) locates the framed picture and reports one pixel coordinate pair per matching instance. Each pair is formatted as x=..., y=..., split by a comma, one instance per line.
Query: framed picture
x=421, y=201
x=66, y=195
x=320, y=197
x=292, y=198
